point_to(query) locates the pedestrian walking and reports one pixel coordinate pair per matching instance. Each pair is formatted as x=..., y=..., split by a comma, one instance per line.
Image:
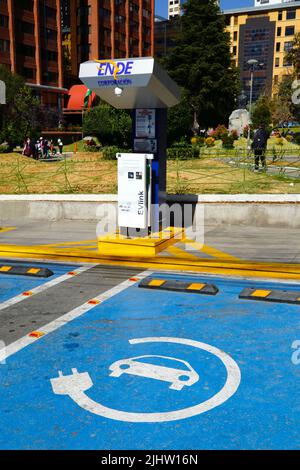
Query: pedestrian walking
x=60, y=146
x=45, y=148
x=259, y=146
x=28, y=150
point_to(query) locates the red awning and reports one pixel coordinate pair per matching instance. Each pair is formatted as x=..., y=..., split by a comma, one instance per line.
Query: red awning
x=77, y=94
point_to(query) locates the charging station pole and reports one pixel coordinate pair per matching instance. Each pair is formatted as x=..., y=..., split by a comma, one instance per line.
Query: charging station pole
x=152, y=137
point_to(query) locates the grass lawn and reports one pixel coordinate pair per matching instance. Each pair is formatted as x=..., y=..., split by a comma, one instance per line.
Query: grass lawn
x=89, y=173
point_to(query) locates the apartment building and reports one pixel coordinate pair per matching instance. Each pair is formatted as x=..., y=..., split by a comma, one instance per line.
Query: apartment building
x=174, y=8
x=166, y=35
x=110, y=29
x=264, y=32
x=30, y=45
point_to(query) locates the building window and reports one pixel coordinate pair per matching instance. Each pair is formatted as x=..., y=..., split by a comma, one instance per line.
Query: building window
x=277, y=62
x=278, y=47
x=280, y=16
x=4, y=21
x=288, y=46
x=290, y=30
x=26, y=4
x=291, y=14
x=4, y=45
x=279, y=31
x=235, y=36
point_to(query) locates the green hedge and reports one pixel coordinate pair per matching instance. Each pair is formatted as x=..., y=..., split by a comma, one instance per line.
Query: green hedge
x=179, y=152
x=183, y=152
x=4, y=148
x=109, y=152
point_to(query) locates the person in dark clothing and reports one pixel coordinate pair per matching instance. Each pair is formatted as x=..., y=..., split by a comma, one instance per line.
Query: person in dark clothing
x=259, y=146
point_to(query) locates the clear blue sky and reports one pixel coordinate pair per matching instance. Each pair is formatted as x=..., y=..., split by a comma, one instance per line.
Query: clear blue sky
x=162, y=5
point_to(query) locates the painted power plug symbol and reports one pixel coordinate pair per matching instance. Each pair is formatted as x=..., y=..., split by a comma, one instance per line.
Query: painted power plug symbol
x=66, y=384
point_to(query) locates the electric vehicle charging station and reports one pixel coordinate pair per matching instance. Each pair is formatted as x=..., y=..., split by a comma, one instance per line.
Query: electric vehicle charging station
x=140, y=85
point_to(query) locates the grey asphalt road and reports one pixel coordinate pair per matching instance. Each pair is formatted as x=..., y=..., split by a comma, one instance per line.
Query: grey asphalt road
x=34, y=312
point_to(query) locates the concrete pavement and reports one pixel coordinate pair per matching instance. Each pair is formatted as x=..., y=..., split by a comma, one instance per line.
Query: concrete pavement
x=247, y=243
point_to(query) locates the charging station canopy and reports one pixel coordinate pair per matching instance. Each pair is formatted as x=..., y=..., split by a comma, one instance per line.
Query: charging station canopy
x=130, y=83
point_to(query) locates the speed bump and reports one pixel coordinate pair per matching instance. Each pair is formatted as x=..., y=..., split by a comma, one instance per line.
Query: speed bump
x=25, y=271
x=179, y=286
x=269, y=295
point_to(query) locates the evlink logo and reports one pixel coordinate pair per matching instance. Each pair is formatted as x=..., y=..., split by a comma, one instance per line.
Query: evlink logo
x=111, y=67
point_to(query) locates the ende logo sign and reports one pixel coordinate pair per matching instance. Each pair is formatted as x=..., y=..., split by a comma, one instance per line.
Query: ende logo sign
x=110, y=68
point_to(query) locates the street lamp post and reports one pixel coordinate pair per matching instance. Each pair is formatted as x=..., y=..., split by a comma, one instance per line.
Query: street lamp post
x=252, y=64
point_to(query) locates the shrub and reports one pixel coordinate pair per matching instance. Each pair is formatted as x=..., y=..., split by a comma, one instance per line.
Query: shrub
x=228, y=141
x=110, y=152
x=220, y=133
x=4, y=148
x=297, y=139
x=183, y=152
x=209, y=142
x=197, y=140
x=91, y=148
x=279, y=141
x=234, y=135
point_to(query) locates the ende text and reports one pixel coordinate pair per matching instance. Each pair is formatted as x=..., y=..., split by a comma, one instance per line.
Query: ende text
x=108, y=69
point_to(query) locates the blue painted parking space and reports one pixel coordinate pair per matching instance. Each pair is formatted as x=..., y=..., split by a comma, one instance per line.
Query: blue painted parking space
x=12, y=285
x=151, y=369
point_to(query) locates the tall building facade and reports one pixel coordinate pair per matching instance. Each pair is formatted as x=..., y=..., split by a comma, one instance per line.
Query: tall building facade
x=174, y=8
x=264, y=33
x=30, y=45
x=166, y=35
x=110, y=29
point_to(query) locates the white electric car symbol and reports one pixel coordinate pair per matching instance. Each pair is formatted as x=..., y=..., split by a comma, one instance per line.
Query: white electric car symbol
x=179, y=378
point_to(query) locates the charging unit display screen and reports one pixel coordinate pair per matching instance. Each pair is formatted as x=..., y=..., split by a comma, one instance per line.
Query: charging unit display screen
x=132, y=190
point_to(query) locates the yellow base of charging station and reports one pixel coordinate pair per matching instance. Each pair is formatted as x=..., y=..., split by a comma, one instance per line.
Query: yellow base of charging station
x=144, y=247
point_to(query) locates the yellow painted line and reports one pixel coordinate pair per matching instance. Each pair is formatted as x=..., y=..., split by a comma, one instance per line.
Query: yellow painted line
x=209, y=250
x=178, y=252
x=66, y=243
x=7, y=229
x=248, y=269
x=261, y=293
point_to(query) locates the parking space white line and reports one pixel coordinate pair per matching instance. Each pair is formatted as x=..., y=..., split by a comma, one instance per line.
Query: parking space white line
x=70, y=316
x=47, y=285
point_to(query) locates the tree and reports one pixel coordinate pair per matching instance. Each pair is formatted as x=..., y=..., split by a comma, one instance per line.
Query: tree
x=283, y=109
x=262, y=112
x=201, y=63
x=112, y=126
x=180, y=120
x=21, y=114
x=293, y=55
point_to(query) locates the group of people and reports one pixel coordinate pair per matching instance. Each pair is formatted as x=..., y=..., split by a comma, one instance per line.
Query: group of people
x=42, y=148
